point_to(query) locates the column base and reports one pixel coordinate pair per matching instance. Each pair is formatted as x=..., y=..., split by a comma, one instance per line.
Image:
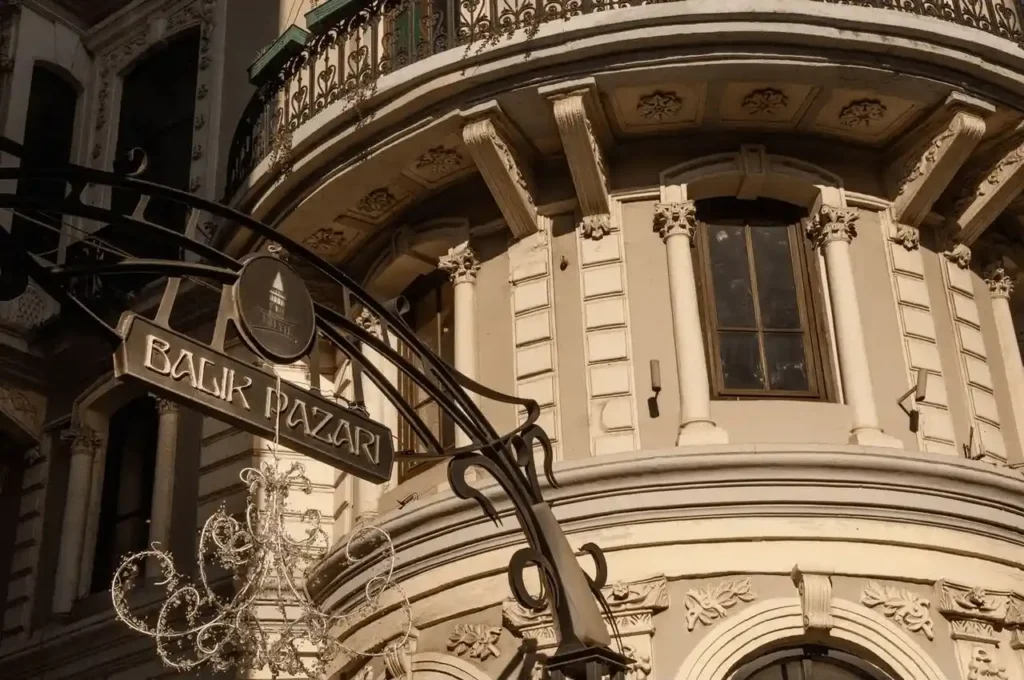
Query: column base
x=701, y=432
x=873, y=437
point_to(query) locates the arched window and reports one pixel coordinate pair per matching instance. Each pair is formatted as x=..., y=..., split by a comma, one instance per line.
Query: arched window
x=761, y=301
x=431, y=316
x=49, y=132
x=127, y=494
x=810, y=663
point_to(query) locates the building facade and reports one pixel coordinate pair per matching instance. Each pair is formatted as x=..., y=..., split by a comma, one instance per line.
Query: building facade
x=754, y=259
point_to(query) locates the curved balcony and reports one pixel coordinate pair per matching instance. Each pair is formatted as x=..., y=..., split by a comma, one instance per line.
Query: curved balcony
x=348, y=49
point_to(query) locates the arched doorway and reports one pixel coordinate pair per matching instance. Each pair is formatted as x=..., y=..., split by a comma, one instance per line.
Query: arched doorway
x=809, y=662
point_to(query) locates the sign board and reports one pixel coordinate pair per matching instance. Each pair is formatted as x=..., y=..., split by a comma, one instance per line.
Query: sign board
x=273, y=310
x=175, y=366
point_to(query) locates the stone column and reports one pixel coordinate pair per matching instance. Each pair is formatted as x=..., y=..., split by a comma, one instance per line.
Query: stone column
x=676, y=223
x=161, y=510
x=1000, y=284
x=86, y=444
x=368, y=494
x=462, y=266
x=832, y=230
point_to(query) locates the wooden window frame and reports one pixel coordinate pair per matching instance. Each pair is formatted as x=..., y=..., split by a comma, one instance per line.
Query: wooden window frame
x=441, y=289
x=810, y=304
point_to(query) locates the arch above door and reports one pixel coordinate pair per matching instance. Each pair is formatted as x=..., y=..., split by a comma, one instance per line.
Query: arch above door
x=772, y=622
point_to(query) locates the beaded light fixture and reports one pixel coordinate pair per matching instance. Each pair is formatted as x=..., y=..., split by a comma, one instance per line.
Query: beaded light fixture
x=217, y=621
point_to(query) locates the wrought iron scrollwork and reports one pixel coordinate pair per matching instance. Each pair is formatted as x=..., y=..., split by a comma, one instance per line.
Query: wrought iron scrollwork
x=511, y=458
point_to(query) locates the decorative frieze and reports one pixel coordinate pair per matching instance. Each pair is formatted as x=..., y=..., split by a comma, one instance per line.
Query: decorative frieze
x=475, y=640
x=710, y=603
x=815, y=588
x=907, y=609
x=675, y=218
x=503, y=173
x=632, y=604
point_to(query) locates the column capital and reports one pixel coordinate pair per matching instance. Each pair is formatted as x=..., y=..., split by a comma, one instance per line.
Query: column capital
x=461, y=264
x=165, y=406
x=1000, y=281
x=671, y=219
x=832, y=224
x=84, y=440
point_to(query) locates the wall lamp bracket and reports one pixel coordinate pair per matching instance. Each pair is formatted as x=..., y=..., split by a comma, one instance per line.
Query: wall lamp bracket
x=918, y=392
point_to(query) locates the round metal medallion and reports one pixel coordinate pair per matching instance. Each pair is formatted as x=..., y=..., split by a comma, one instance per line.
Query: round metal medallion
x=275, y=310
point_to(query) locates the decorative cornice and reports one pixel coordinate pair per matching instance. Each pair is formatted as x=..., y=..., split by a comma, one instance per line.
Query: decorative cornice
x=596, y=227
x=909, y=610
x=632, y=605
x=461, y=264
x=1000, y=282
x=675, y=219
x=815, y=589
x=475, y=640
x=832, y=224
x=582, y=151
x=503, y=175
x=708, y=604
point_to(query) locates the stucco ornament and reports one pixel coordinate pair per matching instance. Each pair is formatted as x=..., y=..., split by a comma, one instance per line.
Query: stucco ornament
x=641, y=667
x=461, y=264
x=439, y=161
x=765, y=102
x=907, y=236
x=671, y=219
x=909, y=610
x=862, y=113
x=918, y=166
x=1000, y=281
x=982, y=666
x=325, y=241
x=377, y=202
x=975, y=614
x=659, y=106
x=832, y=224
x=595, y=227
x=815, y=587
x=708, y=604
x=475, y=640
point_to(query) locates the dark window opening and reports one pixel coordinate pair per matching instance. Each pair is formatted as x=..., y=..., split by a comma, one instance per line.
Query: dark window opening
x=431, y=316
x=127, y=494
x=761, y=301
x=47, y=142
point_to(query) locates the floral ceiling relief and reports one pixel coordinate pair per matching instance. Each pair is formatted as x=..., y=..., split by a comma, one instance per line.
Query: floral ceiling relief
x=765, y=102
x=660, y=106
x=438, y=162
x=862, y=113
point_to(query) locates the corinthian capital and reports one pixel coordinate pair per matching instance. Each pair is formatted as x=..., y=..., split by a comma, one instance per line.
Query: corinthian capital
x=84, y=440
x=671, y=219
x=460, y=263
x=832, y=224
x=1000, y=281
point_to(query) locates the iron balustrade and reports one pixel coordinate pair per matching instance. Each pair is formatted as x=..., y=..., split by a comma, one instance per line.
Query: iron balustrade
x=345, y=60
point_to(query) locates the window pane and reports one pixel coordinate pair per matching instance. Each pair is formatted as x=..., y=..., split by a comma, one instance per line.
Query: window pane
x=787, y=365
x=776, y=286
x=741, y=361
x=730, y=276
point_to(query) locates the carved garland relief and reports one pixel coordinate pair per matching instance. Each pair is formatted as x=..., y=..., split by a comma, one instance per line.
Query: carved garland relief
x=708, y=604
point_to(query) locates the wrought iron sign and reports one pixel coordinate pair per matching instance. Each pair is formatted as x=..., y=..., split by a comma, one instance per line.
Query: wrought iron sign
x=267, y=301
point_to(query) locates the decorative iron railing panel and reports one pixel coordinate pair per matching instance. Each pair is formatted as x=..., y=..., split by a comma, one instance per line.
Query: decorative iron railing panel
x=346, y=60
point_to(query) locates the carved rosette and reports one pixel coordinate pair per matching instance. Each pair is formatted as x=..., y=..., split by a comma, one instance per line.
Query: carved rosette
x=832, y=224
x=707, y=604
x=675, y=219
x=461, y=264
x=1000, y=282
x=595, y=227
x=632, y=605
x=659, y=106
x=815, y=598
x=908, y=610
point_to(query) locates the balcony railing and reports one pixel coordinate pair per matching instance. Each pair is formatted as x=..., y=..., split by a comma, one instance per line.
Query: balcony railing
x=348, y=50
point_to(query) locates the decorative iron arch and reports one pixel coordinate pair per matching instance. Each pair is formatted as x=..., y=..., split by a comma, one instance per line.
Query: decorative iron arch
x=573, y=596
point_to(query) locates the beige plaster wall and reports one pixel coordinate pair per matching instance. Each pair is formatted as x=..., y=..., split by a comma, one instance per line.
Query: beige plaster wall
x=494, y=328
